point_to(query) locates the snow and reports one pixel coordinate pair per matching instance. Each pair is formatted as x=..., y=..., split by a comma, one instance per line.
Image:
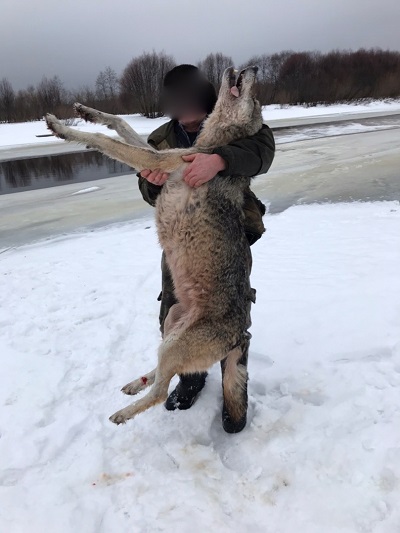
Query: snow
x=275, y=112
x=322, y=130
x=321, y=452
x=85, y=191
x=25, y=133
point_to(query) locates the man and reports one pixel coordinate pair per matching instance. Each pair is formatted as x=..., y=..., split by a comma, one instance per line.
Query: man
x=188, y=98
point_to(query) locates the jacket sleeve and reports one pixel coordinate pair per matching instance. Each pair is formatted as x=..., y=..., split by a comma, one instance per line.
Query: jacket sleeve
x=249, y=156
x=148, y=190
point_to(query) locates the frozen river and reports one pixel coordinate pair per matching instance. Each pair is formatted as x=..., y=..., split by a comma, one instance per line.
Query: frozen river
x=336, y=162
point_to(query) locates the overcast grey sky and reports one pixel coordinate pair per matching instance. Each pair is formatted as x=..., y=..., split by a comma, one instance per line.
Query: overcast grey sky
x=75, y=39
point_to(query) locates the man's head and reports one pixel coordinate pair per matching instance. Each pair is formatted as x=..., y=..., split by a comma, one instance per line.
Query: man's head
x=187, y=95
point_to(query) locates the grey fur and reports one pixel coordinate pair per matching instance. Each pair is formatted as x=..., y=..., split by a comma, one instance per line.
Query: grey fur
x=201, y=231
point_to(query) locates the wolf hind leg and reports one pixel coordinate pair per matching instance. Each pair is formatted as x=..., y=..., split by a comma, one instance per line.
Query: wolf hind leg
x=157, y=394
x=113, y=122
x=137, y=385
x=234, y=385
x=186, y=352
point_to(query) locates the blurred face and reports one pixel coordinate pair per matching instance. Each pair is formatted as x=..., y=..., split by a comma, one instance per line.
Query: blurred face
x=185, y=110
x=191, y=118
x=183, y=105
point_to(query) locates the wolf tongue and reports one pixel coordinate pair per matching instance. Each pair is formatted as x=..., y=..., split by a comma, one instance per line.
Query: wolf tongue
x=235, y=91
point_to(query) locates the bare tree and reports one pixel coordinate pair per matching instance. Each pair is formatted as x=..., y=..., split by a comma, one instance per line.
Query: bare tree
x=268, y=75
x=263, y=62
x=286, y=77
x=213, y=67
x=101, y=86
x=85, y=95
x=142, y=80
x=50, y=94
x=107, y=84
x=276, y=62
x=7, y=101
x=26, y=106
x=264, y=84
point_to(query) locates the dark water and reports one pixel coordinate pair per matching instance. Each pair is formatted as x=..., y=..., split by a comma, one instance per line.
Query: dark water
x=48, y=171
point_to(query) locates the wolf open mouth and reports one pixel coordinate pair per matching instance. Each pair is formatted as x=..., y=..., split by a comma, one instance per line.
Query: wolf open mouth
x=239, y=81
x=235, y=83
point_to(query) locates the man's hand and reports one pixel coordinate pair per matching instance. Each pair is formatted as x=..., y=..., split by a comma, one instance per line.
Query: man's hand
x=203, y=168
x=155, y=176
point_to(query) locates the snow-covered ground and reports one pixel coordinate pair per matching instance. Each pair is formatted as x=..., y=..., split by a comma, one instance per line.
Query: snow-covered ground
x=318, y=131
x=321, y=452
x=25, y=133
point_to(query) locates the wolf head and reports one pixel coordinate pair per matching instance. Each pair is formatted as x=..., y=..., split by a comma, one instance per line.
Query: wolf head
x=238, y=84
x=237, y=112
x=237, y=95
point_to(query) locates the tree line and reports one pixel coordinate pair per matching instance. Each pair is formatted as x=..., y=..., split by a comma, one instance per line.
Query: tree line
x=283, y=78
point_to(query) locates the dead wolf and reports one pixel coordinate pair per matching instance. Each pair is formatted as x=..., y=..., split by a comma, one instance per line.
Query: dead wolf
x=201, y=231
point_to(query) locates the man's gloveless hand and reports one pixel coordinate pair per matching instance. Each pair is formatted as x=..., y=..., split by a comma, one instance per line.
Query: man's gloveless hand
x=155, y=176
x=202, y=168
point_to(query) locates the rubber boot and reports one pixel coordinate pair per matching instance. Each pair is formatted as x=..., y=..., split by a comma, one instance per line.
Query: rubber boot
x=186, y=392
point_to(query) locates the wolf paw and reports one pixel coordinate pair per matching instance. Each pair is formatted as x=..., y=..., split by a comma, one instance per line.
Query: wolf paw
x=135, y=386
x=55, y=126
x=118, y=418
x=86, y=113
x=93, y=115
x=131, y=389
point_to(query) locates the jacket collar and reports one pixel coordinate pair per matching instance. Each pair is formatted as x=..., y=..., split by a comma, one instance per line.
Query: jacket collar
x=182, y=137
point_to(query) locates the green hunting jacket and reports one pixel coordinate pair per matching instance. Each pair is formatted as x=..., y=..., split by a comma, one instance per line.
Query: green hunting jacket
x=248, y=157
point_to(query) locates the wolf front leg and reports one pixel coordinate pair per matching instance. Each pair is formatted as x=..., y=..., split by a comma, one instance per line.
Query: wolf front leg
x=112, y=122
x=137, y=158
